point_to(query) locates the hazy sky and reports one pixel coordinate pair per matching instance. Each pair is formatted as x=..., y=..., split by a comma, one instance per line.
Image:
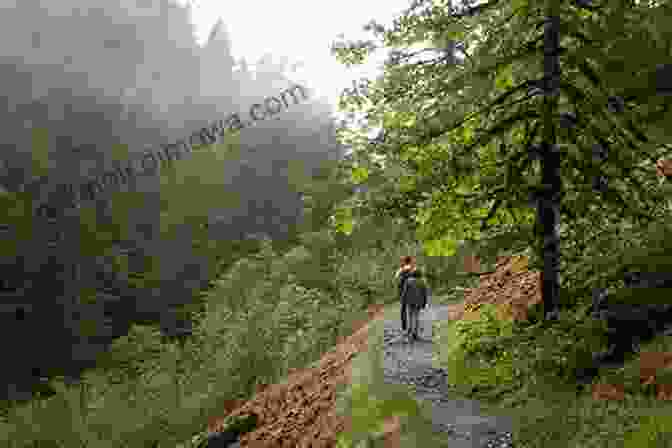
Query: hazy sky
x=301, y=30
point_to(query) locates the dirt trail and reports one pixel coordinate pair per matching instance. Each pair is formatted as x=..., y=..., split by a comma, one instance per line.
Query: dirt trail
x=301, y=411
x=457, y=421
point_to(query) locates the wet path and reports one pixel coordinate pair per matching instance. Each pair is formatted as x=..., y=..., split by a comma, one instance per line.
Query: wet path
x=410, y=363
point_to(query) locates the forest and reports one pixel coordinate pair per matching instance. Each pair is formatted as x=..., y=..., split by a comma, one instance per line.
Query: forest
x=503, y=128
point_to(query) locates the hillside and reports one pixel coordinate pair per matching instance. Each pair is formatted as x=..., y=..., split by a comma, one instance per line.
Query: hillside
x=302, y=410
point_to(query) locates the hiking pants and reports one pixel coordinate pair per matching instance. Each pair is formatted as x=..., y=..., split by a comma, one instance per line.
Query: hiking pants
x=404, y=308
x=414, y=320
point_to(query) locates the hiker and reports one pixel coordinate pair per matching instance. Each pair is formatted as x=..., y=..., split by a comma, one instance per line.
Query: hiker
x=664, y=168
x=414, y=298
x=407, y=265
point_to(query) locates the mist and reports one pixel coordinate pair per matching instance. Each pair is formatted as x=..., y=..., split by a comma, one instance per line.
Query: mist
x=84, y=77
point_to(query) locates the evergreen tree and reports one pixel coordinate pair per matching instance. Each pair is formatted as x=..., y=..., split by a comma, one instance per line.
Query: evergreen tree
x=530, y=115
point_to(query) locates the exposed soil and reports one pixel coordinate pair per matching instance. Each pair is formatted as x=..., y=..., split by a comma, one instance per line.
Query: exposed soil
x=450, y=419
x=512, y=287
x=301, y=411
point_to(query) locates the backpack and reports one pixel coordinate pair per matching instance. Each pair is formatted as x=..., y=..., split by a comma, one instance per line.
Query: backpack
x=403, y=276
x=415, y=292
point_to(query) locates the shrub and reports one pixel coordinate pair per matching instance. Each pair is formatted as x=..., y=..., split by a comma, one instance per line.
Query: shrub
x=370, y=401
x=262, y=316
x=473, y=352
x=495, y=355
x=565, y=347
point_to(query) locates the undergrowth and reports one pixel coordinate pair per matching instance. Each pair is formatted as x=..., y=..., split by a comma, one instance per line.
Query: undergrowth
x=369, y=402
x=527, y=370
x=267, y=313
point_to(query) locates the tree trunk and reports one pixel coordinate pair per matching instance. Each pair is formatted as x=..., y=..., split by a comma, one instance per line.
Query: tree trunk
x=548, y=212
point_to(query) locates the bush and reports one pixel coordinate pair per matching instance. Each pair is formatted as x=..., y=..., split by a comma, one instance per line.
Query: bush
x=565, y=347
x=473, y=352
x=493, y=355
x=370, y=401
x=268, y=312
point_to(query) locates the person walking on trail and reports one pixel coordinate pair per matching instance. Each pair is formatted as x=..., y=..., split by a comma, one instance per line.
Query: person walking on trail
x=407, y=265
x=414, y=296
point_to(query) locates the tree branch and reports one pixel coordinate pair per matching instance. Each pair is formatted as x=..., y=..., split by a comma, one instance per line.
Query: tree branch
x=488, y=108
x=495, y=206
x=472, y=11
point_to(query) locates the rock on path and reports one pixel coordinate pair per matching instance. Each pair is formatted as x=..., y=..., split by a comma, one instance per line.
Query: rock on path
x=410, y=363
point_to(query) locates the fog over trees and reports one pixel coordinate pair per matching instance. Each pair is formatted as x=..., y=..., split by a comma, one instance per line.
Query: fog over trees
x=85, y=81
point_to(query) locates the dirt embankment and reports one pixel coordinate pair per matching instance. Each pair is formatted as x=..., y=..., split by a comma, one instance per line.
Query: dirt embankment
x=301, y=411
x=512, y=287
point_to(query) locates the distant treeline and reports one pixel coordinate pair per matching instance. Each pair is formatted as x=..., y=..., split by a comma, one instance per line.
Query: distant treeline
x=70, y=196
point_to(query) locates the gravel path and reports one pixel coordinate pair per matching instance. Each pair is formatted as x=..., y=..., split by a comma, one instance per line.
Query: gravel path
x=410, y=363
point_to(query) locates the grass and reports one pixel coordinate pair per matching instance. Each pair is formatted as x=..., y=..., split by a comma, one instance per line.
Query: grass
x=369, y=400
x=266, y=314
x=185, y=406
x=176, y=390
x=553, y=418
x=416, y=427
x=556, y=420
x=550, y=413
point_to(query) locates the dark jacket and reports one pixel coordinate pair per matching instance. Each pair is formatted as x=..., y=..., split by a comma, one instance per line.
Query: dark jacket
x=415, y=291
x=402, y=281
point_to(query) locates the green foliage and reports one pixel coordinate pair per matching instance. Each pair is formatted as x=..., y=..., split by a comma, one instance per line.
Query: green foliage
x=479, y=336
x=561, y=419
x=600, y=255
x=453, y=163
x=496, y=356
x=564, y=347
x=472, y=350
x=259, y=319
x=551, y=416
x=16, y=212
x=369, y=402
x=132, y=354
x=654, y=431
x=369, y=412
x=453, y=159
x=453, y=156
